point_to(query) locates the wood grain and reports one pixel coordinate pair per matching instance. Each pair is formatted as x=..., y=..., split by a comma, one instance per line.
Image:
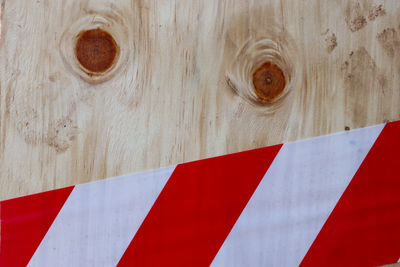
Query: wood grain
x=168, y=101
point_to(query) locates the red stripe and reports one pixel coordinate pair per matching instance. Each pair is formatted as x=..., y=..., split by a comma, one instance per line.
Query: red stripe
x=24, y=223
x=197, y=209
x=364, y=227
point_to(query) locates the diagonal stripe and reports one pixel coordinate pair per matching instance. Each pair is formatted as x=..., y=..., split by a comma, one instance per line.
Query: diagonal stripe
x=196, y=210
x=24, y=223
x=99, y=220
x=364, y=227
x=294, y=199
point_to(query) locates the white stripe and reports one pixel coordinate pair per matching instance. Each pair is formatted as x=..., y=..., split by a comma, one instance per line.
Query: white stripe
x=99, y=219
x=294, y=199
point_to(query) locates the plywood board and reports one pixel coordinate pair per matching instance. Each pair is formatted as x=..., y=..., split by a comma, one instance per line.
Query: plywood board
x=169, y=98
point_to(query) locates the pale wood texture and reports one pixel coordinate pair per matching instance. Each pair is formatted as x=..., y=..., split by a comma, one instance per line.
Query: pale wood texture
x=170, y=102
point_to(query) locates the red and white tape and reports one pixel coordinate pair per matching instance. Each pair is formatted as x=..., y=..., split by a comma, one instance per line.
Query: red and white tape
x=328, y=201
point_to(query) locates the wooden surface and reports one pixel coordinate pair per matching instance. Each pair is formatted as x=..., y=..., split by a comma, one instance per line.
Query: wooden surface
x=167, y=100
